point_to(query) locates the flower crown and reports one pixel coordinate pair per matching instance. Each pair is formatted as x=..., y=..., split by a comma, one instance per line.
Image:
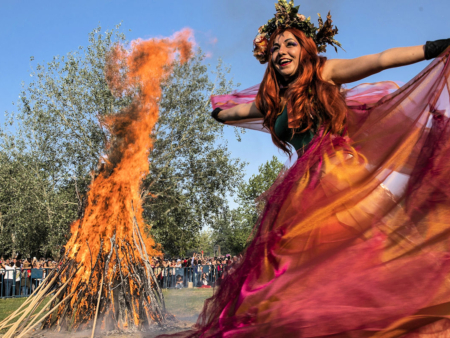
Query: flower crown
x=287, y=16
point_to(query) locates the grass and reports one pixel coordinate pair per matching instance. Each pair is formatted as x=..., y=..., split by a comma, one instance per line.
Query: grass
x=184, y=303
x=8, y=306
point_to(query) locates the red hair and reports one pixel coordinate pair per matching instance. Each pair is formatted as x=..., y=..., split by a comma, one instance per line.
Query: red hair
x=311, y=100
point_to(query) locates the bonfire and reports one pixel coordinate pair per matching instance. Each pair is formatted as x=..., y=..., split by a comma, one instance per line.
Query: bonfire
x=105, y=279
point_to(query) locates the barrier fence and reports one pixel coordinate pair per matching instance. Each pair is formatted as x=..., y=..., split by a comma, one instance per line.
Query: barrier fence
x=22, y=282
x=194, y=276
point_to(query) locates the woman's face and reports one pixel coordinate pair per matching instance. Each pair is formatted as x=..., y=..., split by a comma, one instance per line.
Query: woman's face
x=286, y=55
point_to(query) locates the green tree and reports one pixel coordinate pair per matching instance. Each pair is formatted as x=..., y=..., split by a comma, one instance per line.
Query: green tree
x=205, y=242
x=233, y=228
x=191, y=170
x=58, y=138
x=56, y=141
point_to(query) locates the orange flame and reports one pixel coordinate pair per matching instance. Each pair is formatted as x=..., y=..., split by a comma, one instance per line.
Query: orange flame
x=137, y=72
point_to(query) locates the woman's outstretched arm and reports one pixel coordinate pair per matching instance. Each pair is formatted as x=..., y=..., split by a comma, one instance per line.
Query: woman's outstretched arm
x=239, y=112
x=340, y=71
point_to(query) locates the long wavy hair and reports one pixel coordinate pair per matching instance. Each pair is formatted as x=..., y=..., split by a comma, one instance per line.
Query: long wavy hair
x=311, y=100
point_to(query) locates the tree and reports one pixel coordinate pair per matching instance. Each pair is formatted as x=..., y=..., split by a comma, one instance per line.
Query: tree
x=206, y=244
x=56, y=142
x=58, y=139
x=27, y=201
x=233, y=228
x=191, y=171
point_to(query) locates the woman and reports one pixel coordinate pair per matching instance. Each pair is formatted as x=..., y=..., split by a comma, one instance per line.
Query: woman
x=17, y=269
x=353, y=240
x=26, y=278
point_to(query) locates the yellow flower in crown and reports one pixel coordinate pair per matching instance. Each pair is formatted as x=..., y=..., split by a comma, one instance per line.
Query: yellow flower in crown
x=287, y=16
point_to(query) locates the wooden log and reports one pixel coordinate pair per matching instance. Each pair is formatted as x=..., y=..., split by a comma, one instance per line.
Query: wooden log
x=27, y=301
x=50, y=301
x=159, y=291
x=39, y=297
x=151, y=276
x=45, y=317
x=98, y=306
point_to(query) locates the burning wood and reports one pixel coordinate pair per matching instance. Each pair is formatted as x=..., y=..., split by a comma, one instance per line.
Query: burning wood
x=105, y=278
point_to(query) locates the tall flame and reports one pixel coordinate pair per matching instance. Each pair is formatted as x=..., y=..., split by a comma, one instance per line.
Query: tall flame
x=114, y=198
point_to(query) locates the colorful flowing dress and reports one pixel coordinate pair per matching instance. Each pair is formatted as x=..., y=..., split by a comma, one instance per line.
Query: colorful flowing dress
x=354, y=240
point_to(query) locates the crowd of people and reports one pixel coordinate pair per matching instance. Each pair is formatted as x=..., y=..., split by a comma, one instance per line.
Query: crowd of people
x=20, y=277
x=202, y=271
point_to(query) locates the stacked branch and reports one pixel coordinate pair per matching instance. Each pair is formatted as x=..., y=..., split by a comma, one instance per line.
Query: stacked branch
x=121, y=293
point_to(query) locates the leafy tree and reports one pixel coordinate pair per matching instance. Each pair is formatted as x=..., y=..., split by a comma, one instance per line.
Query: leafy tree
x=58, y=138
x=233, y=228
x=205, y=242
x=191, y=171
x=56, y=142
x=28, y=201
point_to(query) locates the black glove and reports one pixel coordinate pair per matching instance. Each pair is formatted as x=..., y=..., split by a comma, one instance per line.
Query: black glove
x=435, y=48
x=215, y=114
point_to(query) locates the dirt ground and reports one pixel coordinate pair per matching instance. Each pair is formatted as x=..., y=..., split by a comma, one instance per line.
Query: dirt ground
x=179, y=326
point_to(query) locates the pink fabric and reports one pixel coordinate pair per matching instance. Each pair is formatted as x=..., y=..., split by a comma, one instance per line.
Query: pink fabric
x=230, y=100
x=361, y=97
x=354, y=237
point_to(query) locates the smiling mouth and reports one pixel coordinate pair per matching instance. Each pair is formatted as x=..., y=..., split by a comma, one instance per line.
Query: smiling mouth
x=284, y=63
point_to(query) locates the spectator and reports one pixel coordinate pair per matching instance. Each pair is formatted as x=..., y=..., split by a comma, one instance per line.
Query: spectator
x=179, y=284
x=164, y=273
x=17, y=267
x=204, y=283
x=157, y=270
x=195, y=269
x=36, y=275
x=8, y=278
x=26, y=278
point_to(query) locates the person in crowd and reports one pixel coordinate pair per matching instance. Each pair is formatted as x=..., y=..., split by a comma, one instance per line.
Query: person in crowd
x=219, y=268
x=164, y=273
x=179, y=282
x=17, y=276
x=204, y=282
x=8, y=278
x=26, y=278
x=36, y=275
x=195, y=268
x=157, y=270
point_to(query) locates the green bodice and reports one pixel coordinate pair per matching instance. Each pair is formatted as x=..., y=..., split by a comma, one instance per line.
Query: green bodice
x=284, y=133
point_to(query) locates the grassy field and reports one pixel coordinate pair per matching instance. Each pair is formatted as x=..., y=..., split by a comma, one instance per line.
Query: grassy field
x=185, y=304
x=8, y=306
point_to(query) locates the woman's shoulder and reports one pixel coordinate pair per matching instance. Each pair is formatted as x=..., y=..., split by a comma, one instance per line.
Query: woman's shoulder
x=327, y=70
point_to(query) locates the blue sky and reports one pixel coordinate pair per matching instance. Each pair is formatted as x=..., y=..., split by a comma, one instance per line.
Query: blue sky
x=223, y=28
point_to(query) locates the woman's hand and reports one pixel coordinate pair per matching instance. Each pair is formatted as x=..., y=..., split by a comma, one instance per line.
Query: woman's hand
x=340, y=71
x=239, y=112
